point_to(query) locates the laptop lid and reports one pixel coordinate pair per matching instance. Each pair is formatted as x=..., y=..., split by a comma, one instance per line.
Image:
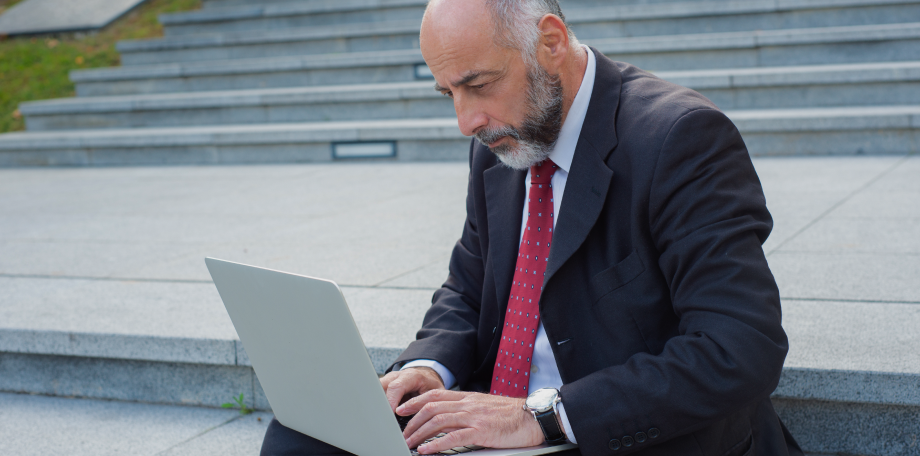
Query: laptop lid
x=310, y=358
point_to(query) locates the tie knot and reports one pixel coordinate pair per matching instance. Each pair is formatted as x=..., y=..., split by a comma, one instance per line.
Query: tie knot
x=542, y=172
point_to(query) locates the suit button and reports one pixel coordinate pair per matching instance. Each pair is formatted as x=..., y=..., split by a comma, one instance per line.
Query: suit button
x=614, y=445
x=641, y=437
x=654, y=433
x=627, y=441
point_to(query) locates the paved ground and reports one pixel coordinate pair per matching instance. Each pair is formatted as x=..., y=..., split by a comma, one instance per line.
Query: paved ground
x=37, y=425
x=48, y=16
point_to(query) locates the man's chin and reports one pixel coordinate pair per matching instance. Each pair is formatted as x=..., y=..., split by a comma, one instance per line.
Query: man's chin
x=521, y=157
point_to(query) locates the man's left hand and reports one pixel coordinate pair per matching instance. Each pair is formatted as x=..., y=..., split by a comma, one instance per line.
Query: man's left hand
x=468, y=419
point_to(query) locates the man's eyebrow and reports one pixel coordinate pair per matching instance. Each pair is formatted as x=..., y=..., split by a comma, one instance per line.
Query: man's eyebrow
x=467, y=79
x=472, y=76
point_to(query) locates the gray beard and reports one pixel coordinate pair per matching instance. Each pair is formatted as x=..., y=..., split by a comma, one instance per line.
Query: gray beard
x=537, y=135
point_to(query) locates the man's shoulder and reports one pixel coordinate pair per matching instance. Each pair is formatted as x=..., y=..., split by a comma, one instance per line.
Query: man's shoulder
x=643, y=91
x=649, y=107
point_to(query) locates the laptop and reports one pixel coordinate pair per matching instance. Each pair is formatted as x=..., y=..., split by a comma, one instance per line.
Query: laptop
x=312, y=363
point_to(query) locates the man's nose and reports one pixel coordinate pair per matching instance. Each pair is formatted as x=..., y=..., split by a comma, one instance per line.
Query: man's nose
x=470, y=118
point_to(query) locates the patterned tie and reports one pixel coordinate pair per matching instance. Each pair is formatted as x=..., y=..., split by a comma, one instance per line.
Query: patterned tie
x=512, y=368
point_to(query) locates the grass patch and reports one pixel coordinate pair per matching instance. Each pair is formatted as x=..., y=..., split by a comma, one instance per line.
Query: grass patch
x=37, y=68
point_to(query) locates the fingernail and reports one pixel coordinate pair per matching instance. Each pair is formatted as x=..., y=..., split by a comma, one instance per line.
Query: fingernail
x=400, y=408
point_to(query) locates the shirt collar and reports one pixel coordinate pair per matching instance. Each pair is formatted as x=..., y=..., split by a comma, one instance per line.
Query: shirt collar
x=564, y=150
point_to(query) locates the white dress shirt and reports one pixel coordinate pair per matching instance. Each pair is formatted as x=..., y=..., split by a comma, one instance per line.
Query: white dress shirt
x=544, y=372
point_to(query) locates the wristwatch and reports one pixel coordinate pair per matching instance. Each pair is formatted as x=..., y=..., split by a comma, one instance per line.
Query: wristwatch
x=542, y=405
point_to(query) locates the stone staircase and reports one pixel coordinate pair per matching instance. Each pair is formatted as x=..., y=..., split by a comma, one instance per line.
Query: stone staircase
x=308, y=81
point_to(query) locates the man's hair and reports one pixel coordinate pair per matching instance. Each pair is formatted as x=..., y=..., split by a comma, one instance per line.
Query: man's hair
x=516, y=24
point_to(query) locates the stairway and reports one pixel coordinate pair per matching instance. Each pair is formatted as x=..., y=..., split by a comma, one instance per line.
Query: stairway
x=273, y=81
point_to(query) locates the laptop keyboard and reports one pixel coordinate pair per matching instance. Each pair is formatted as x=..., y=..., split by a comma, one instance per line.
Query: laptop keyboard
x=404, y=420
x=458, y=450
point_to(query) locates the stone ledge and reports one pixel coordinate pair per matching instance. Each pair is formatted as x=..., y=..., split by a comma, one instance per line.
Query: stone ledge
x=864, y=387
x=235, y=135
x=833, y=385
x=143, y=348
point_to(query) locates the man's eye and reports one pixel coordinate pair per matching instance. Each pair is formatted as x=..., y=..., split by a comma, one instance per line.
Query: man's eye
x=480, y=86
x=448, y=94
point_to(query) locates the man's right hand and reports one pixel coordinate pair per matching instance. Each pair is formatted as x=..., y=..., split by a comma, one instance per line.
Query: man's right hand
x=406, y=384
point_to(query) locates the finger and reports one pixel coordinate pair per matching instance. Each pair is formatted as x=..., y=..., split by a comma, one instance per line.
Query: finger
x=387, y=379
x=396, y=389
x=408, y=382
x=437, y=424
x=454, y=439
x=426, y=413
x=416, y=403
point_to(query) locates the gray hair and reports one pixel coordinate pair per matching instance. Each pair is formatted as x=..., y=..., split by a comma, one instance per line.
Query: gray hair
x=516, y=24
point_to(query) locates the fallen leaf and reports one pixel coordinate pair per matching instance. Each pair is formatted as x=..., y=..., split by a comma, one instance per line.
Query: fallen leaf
x=17, y=114
x=79, y=60
x=52, y=43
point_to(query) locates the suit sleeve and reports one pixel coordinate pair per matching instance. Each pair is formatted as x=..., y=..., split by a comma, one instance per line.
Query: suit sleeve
x=449, y=330
x=708, y=219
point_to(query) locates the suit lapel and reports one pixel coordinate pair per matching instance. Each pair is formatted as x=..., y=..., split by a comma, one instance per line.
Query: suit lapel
x=589, y=176
x=504, y=188
x=585, y=189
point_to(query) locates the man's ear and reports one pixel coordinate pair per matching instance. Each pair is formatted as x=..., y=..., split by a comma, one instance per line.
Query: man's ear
x=554, y=43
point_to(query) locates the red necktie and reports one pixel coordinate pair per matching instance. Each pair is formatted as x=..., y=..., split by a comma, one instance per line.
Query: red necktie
x=512, y=367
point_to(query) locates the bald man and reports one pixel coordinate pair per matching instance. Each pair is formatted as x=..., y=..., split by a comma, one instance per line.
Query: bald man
x=609, y=288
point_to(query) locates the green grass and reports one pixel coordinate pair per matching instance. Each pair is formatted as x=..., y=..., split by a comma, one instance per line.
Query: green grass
x=37, y=68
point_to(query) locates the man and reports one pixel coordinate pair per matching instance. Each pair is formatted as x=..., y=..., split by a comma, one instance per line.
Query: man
x=611, y=258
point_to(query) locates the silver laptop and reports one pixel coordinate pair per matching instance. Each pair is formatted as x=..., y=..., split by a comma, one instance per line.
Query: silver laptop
x=312, y=363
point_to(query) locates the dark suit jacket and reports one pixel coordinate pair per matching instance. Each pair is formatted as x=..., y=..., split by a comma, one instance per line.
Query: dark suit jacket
x=658, y=302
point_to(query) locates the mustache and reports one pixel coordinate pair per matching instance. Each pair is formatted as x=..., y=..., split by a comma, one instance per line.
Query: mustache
x=489, y=136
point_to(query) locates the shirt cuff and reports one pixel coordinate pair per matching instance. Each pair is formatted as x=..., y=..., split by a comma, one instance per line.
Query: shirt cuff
x=565, y=423
x=446, y=377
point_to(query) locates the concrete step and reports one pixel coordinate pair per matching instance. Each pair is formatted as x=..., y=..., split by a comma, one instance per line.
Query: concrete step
x=374, y=36
x=599, y=22
x=289, y=15
x=829, y=45
x=810, y=46
x=405, y=140
x=810, y=131
x=890, y=83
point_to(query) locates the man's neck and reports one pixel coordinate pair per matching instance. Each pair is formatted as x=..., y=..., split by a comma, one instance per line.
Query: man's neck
x=571, y=77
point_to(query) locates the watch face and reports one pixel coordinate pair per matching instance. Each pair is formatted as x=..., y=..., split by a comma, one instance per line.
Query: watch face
x=542, y=399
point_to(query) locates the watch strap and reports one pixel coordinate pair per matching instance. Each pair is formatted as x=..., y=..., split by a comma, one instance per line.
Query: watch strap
x=550, y=425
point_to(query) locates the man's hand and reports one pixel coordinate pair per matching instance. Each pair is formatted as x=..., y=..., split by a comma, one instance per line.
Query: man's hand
x=468, y=419
x=409, y=383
